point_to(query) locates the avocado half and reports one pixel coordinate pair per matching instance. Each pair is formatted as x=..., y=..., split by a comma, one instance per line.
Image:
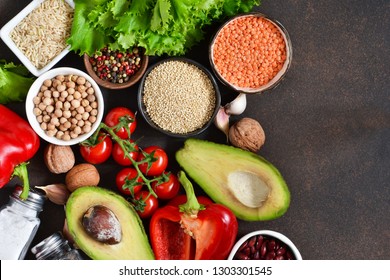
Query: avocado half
x=243, y=181
x=134, y=244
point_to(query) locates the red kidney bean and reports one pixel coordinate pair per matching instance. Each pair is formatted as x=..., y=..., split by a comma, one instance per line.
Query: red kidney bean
x=281, y=251
x=264, y=248
x=243, y=246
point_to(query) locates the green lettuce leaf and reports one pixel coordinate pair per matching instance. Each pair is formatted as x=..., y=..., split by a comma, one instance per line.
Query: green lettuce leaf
x=85, y=37
x=15, y=81
x=160, y=26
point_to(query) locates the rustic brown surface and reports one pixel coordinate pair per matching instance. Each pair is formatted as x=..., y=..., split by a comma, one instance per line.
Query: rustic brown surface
x=327, y=127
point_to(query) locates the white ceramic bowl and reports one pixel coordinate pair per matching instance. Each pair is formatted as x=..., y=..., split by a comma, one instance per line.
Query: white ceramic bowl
x=5, y=36
x=268, y=233
x=33, y=91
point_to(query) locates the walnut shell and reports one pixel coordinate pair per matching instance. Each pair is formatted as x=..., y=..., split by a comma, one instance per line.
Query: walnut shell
x=247, y=134
x=58, y=159
x=83, y=174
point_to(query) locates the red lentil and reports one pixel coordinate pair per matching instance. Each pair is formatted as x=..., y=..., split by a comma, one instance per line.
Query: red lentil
x=249, y=52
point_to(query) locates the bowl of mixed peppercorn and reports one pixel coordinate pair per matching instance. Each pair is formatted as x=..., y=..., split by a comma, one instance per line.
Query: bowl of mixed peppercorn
x=115, y=69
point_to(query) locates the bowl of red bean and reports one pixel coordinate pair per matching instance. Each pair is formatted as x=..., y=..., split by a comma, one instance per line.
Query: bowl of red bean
x=114, y=69
x=264, y=245
x=251, y=53
x=64, y=106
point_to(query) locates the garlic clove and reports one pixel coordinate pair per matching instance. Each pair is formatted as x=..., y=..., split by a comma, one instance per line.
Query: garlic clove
x=221, y=121
x=56, y=193
x=237, y=106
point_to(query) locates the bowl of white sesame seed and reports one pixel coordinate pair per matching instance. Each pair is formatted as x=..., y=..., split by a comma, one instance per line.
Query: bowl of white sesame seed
x=178, y=97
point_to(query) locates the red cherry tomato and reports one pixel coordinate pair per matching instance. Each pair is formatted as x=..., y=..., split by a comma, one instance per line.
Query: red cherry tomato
x=181, y=199
x=157, y=167
x=112, y=119
x=119, y=156
x=98, y=153
x=169, y=189
x=128, y=173
x=151, y=204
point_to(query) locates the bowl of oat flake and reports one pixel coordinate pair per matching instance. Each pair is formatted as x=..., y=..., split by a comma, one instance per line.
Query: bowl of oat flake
x=178, y=97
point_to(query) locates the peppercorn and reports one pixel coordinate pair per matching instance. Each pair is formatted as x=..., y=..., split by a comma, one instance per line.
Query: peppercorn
x=116, y=66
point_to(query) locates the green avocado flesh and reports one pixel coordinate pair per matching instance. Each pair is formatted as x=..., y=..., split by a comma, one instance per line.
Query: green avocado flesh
x=243, y=181
x=134, y=244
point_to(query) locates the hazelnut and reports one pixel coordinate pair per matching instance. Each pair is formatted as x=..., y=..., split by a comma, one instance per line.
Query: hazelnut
x=83, y=174
x=58, y=159
x=247, y=134
x=102, y=225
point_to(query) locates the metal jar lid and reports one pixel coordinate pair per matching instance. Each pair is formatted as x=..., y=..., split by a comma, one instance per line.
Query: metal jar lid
x=48, y=245
x=34, y=200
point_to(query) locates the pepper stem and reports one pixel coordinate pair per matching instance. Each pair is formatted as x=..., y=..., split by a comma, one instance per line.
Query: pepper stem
x=21, y=172
x=192, y=206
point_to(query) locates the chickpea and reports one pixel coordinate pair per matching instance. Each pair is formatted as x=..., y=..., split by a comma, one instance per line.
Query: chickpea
x=47, y=83
x=61, y=88
x=77, y=95
x=71, y=90
x=46, y=118
x=47, y=93
x=80, y=81
x=47, y=101
x=66, y=137
x=75, y=103
x=37, y=111
x=67, y=114
x=60, y=78
x=36, y=100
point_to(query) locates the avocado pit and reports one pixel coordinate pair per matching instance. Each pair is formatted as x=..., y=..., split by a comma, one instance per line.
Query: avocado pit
x=102, y=225
x=248, y=188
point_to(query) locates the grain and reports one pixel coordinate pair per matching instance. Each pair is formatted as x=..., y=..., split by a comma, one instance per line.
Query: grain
x=42, y=34
x=179, y=97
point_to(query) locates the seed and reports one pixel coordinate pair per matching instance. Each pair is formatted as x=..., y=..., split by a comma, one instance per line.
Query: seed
x=178, y=96
x=60, y=108
x=249, y=51
x=265, y=248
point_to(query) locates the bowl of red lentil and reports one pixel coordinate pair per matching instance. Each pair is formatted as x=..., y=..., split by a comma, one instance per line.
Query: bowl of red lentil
x=264, y=245
x=114, y=69
x=178, y=97
x=251, y=53
x=64, y=106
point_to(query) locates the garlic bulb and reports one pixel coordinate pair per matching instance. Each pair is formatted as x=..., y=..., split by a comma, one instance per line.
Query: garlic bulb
x=236, y=107
x=56, y=193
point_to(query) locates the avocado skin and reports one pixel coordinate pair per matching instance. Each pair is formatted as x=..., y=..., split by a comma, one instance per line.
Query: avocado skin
x=134, y=244
x=209, y=164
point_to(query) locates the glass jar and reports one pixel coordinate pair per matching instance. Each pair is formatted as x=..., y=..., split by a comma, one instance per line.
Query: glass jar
x=55, y=247
x=19, y=223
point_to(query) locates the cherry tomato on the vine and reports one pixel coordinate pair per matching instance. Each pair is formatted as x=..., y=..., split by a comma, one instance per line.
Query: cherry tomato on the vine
x=158, y=166
x=168, y=189
x=151, y=204
x=98, y=153
x=128, y=173
x=119, y=156
x=113, y=117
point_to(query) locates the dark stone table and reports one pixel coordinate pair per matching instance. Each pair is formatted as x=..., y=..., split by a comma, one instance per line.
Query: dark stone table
x=327, y=128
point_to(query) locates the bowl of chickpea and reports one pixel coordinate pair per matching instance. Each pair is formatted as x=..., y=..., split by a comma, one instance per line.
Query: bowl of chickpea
x=64, y=106
x=251, y=53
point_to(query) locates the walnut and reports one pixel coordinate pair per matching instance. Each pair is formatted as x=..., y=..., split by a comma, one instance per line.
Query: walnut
x=247, y=134
x=59, y=159
x=83, y=174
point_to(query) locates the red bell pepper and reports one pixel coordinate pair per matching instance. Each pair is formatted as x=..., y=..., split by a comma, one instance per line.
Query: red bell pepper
x=18, y=143
x=191, y=230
